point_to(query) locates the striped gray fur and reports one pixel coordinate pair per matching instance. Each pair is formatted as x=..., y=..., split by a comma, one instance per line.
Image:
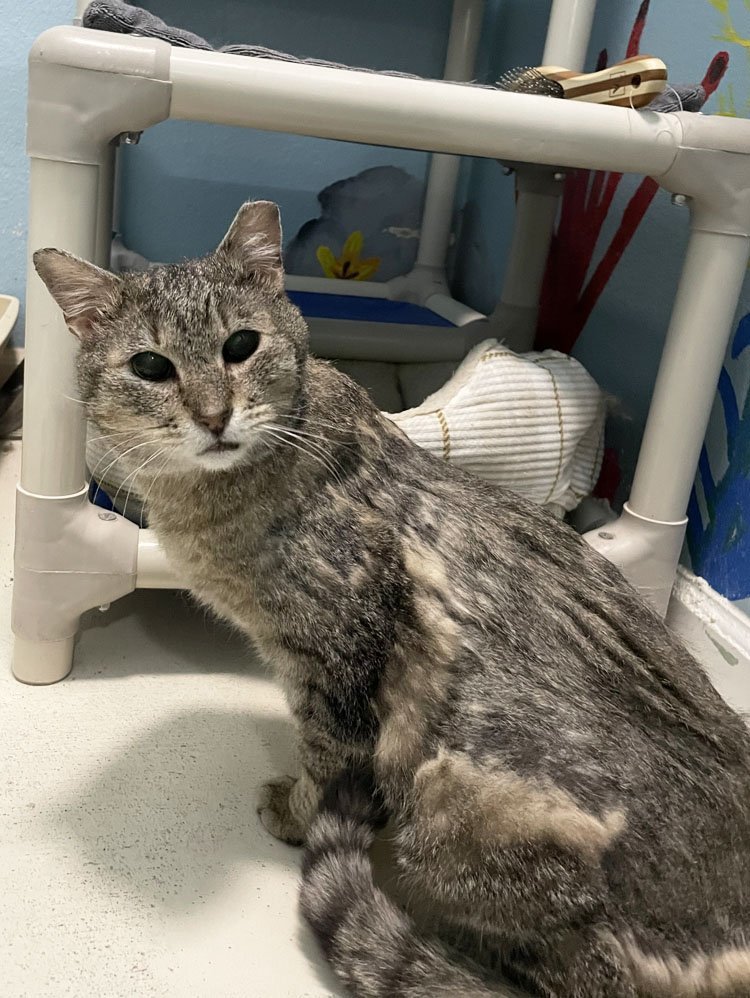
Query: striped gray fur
x=352, y=918
x=569, y=795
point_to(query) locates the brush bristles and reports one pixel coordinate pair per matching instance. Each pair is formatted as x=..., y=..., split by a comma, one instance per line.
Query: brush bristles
x=525, y=80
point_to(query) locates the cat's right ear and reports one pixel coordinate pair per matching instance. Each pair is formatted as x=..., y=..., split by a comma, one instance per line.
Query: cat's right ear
x=85, y=293
x=254, y=242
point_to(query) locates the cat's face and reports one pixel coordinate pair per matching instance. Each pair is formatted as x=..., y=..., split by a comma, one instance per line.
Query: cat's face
x=194, y=366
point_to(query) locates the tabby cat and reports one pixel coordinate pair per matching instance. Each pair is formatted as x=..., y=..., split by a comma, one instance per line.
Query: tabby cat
x=570, y=797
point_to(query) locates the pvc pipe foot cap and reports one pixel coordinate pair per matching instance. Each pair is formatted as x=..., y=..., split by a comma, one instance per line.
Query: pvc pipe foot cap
x=40, y=663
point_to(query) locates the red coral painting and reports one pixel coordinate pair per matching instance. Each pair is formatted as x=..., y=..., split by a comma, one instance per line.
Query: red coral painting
x=569, y=293
x=573, y=283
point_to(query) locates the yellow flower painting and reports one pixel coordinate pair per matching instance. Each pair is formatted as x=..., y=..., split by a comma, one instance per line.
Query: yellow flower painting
x=728, y=102
x=349, y=265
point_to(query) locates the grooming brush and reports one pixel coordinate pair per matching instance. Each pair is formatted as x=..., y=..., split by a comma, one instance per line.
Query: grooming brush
x=633, y=82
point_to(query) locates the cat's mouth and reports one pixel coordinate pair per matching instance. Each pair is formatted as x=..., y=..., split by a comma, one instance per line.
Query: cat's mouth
x=220, y=447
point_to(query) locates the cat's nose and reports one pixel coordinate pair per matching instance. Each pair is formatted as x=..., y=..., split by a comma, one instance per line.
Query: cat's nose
x=215, y=422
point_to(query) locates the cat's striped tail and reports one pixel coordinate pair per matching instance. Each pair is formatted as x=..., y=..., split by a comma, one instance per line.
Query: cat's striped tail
x=379, y=953
x=370, y=943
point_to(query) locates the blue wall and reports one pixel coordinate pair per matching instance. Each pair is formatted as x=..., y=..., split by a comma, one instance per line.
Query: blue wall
x=21, y=23
x=183, y=183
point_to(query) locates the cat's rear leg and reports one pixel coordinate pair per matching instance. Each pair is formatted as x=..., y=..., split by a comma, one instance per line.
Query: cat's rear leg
x=518, y=860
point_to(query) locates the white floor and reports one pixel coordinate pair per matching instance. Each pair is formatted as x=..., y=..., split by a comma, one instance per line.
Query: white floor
x=132, y=863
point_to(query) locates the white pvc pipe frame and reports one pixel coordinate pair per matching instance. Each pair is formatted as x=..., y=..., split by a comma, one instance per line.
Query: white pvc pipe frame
x=415, y=114
x=442, y=179
x=567, y=40
x=87, y=87
x=568, y=34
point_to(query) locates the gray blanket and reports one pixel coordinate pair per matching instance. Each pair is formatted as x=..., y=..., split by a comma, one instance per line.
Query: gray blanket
x=125, y=19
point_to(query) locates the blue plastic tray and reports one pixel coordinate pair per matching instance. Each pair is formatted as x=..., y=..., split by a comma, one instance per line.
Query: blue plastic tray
x=317, y=305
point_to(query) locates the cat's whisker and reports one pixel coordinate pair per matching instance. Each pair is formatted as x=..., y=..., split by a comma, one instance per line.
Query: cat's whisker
x=278, y=435
x=305, y=420
x=300, y=422
x=305, y=417
x=78, y=401
x=311, y=449
x=159, y=470
x=103, y=436
x=315, y=423
x=131, y=431
x=104, y=456
x=325, y=457
x=133, y=474
x=108, y=436
x=318, y=436
x=120, y=443
x=118, y=457
x=306, y=437
x=163, y=450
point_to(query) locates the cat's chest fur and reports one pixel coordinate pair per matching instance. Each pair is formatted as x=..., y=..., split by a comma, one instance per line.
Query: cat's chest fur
x=290, y=572
x=212, y=535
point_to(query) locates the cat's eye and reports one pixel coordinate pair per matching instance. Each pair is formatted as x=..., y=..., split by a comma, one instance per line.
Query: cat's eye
x=152, y=366
x=240, y=345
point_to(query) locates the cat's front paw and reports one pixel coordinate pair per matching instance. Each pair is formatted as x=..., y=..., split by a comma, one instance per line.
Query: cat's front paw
x=286, y=807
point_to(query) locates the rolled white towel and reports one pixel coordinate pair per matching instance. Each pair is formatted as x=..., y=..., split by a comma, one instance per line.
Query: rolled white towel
x=532, y=422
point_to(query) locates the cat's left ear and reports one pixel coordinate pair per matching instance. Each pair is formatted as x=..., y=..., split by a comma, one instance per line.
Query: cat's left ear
x=254, y=242
x=85, y=293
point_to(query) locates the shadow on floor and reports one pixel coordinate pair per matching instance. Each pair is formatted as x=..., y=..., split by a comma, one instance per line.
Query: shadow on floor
x=192, y=778
x=169, y=820
x=160, y=631
x=171, y=814
x=170, y=817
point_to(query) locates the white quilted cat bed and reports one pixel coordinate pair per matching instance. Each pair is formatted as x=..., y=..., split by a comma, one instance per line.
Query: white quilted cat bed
x=531, y=422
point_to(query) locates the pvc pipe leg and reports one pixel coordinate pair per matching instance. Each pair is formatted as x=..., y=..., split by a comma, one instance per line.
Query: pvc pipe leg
x=428, y=275
x=63, y=212
x=646, y=542
x=40, y=663
x=568, y=33
x=105, y=209
x=438, y=212
x=70, y=556
x=685, y=388
x=514, y=319
x=645, y=551
x=66, y=208
x=538, y=194
x=463, y=41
